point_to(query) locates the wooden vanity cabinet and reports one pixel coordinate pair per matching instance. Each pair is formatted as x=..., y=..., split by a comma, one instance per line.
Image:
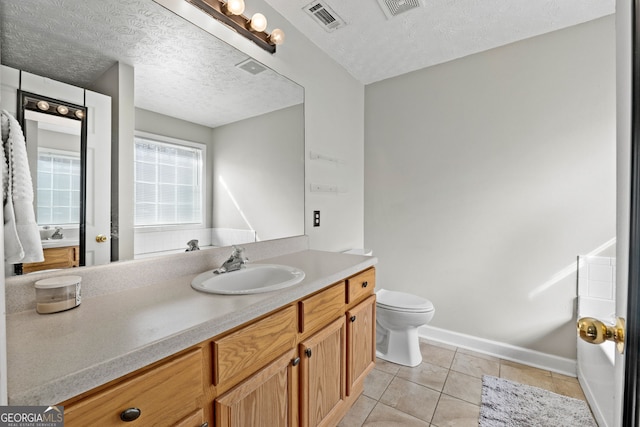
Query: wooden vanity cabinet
x=361, y=343
x=322, y=376
x=266, y=399
x=245, y=351
x=302, y=365
x=167, y=394
x=63, y=257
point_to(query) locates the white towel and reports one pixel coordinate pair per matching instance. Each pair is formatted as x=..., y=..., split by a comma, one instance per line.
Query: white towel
x=21, y=235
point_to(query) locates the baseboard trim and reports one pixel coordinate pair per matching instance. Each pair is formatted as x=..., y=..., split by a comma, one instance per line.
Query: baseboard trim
x=505, y=351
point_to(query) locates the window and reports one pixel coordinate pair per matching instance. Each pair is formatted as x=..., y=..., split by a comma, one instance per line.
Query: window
x=168, y=181
x=58, y=187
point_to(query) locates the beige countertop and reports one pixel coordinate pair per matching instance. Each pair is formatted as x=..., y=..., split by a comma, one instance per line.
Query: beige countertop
x=54, y=357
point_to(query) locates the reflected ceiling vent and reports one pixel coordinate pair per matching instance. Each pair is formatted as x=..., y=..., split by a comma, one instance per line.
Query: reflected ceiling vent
x=322, y=13
x=251, y=66
x=393, y=8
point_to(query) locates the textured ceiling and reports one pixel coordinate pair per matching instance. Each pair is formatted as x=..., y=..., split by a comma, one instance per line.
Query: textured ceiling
x=180, y=70
x=372, y=48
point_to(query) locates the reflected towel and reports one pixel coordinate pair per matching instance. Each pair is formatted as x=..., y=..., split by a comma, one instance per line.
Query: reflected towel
x=21, y=235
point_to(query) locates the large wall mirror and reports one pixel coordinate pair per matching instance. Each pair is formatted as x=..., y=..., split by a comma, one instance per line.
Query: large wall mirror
x=189, y=89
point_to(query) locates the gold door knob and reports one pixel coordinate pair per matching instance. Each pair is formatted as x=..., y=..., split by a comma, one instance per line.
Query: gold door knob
x=594, y=331
x=101, y=238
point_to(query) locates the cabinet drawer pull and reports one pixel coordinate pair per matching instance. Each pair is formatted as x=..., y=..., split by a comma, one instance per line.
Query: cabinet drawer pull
x=205, y=424
x=352, y=318
x=295, y=361
x=130, y=414
x=365, y=284
x=308, y=352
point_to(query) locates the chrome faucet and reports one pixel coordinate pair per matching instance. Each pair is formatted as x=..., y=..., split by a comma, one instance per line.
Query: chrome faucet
x=235, y=262
x=192, y=245
x=57, y=235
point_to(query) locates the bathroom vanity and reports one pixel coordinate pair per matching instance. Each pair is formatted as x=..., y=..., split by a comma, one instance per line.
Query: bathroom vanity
x=168, y=355
x=59, y=257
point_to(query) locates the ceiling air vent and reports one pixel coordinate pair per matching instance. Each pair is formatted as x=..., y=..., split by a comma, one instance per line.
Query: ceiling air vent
x=393, y=8
x=327, y=18
x=251, y=66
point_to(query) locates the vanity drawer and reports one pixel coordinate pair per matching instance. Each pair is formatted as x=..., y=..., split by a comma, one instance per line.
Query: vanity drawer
x=361, y=285
x=321, y=308
x=164, y=395
x=240, y=354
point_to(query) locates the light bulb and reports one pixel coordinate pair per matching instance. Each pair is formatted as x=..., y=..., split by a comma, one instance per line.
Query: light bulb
x=62, y=109
x=79, y=114
x=277, y=36
x=258, y=22
x=43, y=105
x=235, y=7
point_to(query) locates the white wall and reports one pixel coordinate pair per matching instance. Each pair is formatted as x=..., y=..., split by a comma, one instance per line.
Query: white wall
x=258, y=171
x=334, y=124
x=486, y=176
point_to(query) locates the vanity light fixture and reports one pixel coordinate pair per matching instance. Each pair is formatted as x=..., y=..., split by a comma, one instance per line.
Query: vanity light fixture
x=230, y=13
x=258, y=22
x=277, y=36
x=50, y=106
x=234, y=7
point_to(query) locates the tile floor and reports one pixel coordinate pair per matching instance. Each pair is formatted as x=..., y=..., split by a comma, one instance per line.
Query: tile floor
x=444, y=390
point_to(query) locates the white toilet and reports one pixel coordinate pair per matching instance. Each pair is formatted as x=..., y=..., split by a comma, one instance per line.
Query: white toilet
x=398, y=317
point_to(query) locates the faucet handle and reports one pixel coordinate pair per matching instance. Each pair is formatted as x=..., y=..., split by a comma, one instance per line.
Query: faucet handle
x=238, y=253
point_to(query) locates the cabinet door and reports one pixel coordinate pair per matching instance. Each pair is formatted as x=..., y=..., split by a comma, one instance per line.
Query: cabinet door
x=361, y=342
x=322, y=376
x=267, y=399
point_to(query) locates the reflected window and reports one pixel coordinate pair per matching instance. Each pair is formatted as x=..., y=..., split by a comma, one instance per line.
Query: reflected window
x=58, y=187
x=168, y=182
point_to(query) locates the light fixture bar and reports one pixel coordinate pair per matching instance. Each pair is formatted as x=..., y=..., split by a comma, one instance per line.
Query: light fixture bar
x=238, y=23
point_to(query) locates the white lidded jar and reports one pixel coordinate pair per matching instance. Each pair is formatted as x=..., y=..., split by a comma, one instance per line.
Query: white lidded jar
x=57, y=294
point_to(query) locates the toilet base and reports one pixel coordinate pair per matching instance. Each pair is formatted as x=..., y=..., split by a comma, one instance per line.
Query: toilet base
x=401, y=347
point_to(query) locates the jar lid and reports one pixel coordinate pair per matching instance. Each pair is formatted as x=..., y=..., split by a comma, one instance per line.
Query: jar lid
x=58, y=282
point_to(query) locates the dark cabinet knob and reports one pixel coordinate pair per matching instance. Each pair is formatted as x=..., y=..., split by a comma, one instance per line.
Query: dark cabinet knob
x=352, y=318
x=308, y=352
x=295, y=361
x=365, y=284
x=130, y=414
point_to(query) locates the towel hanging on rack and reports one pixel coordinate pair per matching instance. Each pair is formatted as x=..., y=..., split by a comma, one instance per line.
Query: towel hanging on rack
x=21, y=235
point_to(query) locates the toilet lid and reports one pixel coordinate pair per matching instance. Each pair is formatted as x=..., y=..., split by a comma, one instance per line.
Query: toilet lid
x=394, y=300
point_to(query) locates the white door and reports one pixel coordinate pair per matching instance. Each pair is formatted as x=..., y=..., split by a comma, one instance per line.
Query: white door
x=608, y=400
x=623, y=410
x=624, y=76
x=98, y=195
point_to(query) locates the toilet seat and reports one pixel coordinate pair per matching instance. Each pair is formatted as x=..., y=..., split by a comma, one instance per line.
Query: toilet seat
x=400, y=301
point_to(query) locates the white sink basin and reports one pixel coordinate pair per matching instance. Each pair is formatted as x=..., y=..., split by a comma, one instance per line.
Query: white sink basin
x=252, y=279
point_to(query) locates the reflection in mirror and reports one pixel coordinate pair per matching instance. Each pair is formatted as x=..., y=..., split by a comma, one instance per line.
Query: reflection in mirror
x=185, y=85
x=55, y=135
